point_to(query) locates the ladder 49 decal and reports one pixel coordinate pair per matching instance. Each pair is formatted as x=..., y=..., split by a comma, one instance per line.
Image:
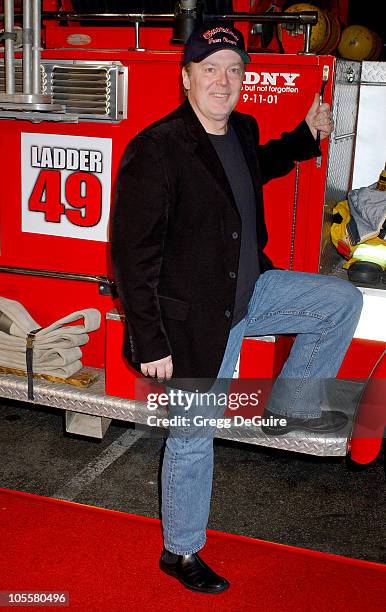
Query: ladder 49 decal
x=66, y=184
x=83, y=193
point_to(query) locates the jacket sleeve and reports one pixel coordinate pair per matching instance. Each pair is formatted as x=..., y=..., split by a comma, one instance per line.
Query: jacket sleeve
x=139, y=223
x=276, y=157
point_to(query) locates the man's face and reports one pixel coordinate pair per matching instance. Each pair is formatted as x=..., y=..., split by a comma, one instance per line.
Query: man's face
x=214, y=86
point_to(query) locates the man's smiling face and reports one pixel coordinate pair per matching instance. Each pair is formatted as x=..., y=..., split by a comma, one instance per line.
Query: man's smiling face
x=214, y=86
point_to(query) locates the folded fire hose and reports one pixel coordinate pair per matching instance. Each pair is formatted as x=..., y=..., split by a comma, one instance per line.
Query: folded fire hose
x=52, y=350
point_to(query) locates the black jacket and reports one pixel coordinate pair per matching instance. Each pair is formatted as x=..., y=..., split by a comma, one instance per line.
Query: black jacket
x=176, y=236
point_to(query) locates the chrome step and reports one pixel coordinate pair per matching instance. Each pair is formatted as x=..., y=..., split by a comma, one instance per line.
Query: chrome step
x=93, y=401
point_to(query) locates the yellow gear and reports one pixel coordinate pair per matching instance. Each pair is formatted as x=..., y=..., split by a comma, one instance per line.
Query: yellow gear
x=318, y=31
x=357, y=43
x=376, y=254
x=339, y=230
x=341, y=239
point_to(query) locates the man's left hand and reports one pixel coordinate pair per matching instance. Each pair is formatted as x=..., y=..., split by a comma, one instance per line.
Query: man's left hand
x=319, y=117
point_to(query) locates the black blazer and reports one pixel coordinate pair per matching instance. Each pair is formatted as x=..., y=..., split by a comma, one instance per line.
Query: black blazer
x=176, y=235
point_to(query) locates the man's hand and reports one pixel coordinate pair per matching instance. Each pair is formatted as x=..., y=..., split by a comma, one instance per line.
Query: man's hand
x=319, y=117
x=161, y=368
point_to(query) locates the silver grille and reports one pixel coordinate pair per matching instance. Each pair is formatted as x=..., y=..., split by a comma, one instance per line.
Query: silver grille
x=89, y=90
x=82, y=90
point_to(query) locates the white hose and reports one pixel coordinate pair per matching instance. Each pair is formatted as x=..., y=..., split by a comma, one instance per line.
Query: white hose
x=56, y=347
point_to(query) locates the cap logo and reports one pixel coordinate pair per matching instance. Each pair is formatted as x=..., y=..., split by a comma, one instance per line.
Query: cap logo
x=208, y=38
x=210, y=33
x=232, y=42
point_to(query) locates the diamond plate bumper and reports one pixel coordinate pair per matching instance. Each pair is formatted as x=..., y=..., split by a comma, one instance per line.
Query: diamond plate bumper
x=93, y=401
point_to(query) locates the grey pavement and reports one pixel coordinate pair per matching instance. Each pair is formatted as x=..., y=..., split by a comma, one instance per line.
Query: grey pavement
x=325, y=504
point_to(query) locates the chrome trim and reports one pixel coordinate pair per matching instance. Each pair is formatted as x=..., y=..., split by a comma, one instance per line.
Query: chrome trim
x=114, y=315
x=27, y=47
x=51, y=274
x=303, y=17
x=294, y=215
x=344, y=136
x=307, y=39
x=94, y=401
x=371, y=84
x=9, y=29
x=36, y=48
x=80, y=90
x=346, y=83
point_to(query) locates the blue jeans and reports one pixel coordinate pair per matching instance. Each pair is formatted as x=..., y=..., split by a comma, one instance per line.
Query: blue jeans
x=323, y=312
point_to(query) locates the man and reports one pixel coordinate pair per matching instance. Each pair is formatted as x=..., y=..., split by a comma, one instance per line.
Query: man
x=187, y=248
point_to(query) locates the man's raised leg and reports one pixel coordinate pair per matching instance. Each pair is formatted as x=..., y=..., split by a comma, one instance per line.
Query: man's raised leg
x=323, y=312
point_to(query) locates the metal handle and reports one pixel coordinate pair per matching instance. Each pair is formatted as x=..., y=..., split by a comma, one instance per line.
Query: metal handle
x=9, y=47
x=63, y=275
x=36, y=77
x=27, y=47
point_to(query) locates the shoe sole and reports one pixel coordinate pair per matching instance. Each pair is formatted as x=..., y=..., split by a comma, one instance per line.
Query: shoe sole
x=174, y=574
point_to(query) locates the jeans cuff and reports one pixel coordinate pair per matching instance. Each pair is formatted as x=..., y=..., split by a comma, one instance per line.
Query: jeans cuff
x=186, y=551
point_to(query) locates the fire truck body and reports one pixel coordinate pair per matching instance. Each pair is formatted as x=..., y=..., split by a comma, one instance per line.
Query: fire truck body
x=57, y=174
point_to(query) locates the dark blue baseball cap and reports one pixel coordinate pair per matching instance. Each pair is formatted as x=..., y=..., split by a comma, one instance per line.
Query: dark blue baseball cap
x=210, y=37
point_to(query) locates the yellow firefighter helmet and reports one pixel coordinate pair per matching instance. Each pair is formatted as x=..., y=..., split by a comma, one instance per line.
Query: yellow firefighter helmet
x=319, y=31
x=357, y=43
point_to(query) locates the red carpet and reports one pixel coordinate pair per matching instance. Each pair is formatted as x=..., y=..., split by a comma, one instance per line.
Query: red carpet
x=107, y=561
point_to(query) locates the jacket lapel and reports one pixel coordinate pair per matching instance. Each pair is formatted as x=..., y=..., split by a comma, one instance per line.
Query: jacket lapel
x=202, y=147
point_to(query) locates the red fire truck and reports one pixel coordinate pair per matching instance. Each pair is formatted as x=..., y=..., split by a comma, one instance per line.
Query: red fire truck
x=75, y=86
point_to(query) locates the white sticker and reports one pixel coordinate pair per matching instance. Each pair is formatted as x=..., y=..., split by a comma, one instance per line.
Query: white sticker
x=66, y=184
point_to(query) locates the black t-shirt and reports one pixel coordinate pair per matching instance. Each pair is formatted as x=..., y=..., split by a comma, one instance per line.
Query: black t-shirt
x=231, y=155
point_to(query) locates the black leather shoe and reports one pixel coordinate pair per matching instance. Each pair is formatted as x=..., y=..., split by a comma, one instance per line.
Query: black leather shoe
x=330, y=421
x=192, y=572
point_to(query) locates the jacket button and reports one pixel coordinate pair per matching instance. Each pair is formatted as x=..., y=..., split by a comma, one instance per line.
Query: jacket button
x=235, y=235
x=227, y=313
x=232, y=275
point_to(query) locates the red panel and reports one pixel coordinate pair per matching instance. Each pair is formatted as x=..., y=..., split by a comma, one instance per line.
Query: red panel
x=48, y=299
x=23, y=249
x=283, y=347
x=149, y=75
x=117, y=38
x=28, y=250
x=370, y=422
x=154, y=89
x=51, y=5
x=256, y=359
x=261, y=359
x=120, y=377
x=276, y=112
x=266, y=359
x=360, y=359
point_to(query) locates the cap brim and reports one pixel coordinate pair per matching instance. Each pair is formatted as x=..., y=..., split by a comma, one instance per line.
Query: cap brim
x=243, y=54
